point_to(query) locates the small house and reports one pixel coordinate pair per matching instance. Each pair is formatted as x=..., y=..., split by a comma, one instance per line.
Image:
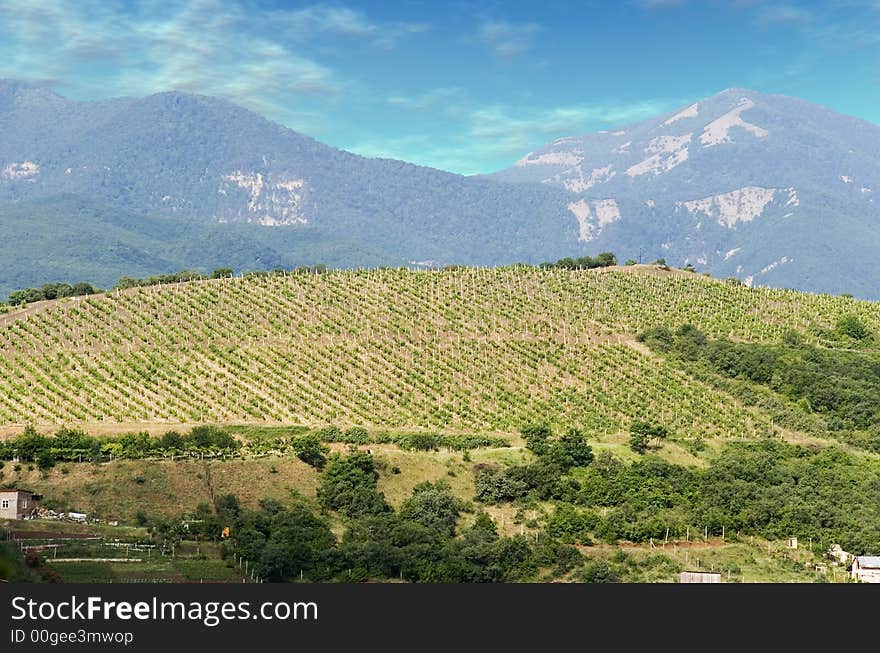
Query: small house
x=17, y=504
x=699, y=577
x=866, y=569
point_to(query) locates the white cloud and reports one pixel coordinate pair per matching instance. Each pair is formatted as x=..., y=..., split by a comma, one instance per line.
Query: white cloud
x=303, y=24
x=508, y=39
x=493, y=137
x=783, y=15
x=263, y=59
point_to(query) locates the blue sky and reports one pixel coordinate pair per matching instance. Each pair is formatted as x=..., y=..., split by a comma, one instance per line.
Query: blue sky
x=463, y=86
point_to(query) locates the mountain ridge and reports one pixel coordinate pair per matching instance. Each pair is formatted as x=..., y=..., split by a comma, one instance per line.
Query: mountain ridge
x=764, y=187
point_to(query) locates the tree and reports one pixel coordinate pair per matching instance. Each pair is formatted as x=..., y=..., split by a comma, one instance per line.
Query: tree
x=45, y=460
x=689, y=341
x=792, y=338
x=571, y=450
x=659, y=339
x=172, y=440
x=432, y=505
x=495, y=484
x=349, y=485
x=299, y=542
x=419, y=441
x=210, y=437
x=605, y=259
x=638, y=441
x=641, y=433
x=135, y=445
x=850, y=325
x=310, y=450
x=599, y=571
x=228, y=509
x=30, y=444
x=537, y=438
x=220, y=273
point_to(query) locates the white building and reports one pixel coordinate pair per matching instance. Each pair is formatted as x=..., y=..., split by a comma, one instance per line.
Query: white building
x=17, y=504
x=699, y=577
x=866, y=569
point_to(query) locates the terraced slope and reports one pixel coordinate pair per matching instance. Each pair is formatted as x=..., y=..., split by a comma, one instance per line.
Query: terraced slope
x=468, y=349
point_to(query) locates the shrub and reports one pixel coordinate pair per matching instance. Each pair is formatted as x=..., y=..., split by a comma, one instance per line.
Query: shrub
x=356, y=435
x=598, y=571
x=419, y=441
x=310, y=449
x=851, y=326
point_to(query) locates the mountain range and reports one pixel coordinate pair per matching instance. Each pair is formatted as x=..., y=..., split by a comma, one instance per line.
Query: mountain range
x=771, y=189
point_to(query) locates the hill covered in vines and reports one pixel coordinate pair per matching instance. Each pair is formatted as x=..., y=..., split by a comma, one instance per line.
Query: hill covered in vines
x=469, y=349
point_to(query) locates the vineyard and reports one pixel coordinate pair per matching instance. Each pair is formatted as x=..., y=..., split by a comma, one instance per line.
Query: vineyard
x=470, y=349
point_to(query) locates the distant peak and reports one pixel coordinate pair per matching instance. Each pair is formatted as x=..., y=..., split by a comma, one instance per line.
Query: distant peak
x=15, y=86
x=738, y=91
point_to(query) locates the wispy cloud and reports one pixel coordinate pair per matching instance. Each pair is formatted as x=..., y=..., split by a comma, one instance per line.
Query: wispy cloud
x=261, y=58
x=492, y=137
x=304, y=24
x=783, y=15
x=508, y=39
x=511, y=131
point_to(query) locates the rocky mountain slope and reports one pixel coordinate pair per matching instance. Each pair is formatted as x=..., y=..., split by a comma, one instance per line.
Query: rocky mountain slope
x=771, y=189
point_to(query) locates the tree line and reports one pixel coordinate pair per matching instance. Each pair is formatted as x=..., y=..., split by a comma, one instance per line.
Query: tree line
x=419, y=542
x=602, y=260
x=837, y=387
x=61, y=290
x=764, y=488
x=74, y=445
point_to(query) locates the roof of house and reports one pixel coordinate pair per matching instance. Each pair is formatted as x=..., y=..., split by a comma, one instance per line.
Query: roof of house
x=870, y=562
x=12, y=489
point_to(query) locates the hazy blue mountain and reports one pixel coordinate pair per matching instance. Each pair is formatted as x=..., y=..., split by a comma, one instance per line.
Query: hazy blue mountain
x=772, y=189
x=66, y=237
x=184, y=160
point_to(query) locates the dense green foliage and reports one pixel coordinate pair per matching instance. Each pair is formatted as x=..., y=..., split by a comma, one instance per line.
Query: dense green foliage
x=420, y=441
x=75, y=445
x=420, y=543
x=641, y=433
x=50, y=291
x=602, y=260
x=349, y=485
x=841, y=386
x=16, y=567
x=768, y=489
x=541, y=479
x=159, y=279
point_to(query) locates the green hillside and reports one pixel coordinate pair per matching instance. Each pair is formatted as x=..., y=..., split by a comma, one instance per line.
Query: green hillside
x=88, y=240
x=471, y=349
x=588, y=416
